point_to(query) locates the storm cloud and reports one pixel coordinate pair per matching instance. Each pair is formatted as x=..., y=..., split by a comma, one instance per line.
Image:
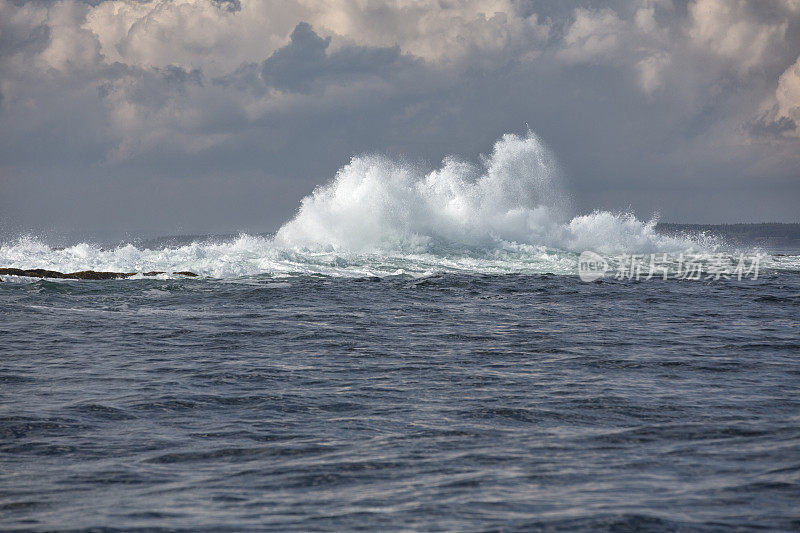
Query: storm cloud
x=208, y=116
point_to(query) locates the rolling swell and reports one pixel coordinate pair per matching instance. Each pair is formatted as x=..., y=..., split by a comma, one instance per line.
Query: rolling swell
x=452, y=402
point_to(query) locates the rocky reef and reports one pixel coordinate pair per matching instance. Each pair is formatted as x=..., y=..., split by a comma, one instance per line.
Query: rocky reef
x=83, y=274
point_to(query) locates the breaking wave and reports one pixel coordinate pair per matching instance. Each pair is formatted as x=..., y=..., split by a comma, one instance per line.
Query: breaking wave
x=514, y=196
x=381, y=216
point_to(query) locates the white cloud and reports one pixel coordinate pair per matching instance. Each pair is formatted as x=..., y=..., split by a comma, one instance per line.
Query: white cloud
x=729, y=29
x=788, y=93
x=161, y=110
x=602, y=37
x=213, y=36
x=445, y=30
x=781, y=112
x=124, y=46
x=191, y=33
x=650, y=71
x=594, y=35
x=71, y=46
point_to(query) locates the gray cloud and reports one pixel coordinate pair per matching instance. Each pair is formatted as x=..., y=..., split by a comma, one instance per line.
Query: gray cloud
x=219, y=116
x=766, y=126
x=304, y=62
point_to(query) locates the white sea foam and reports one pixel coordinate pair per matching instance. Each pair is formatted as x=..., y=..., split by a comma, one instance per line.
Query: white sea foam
x=381, y=216
x=514, y=196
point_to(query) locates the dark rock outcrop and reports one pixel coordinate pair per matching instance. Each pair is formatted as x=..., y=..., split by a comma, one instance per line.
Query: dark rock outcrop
x=83, y=274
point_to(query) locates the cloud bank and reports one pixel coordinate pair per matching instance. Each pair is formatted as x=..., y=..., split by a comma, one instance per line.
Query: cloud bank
x=214, y=115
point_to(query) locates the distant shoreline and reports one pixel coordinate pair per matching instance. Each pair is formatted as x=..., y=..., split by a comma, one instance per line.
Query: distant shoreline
x=730, y=224
x=759, y=233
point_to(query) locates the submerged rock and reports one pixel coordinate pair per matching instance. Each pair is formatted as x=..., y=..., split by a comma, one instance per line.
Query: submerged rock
x=83, y=274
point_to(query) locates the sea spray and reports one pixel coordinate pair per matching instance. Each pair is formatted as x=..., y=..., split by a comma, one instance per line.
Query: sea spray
x=509, y=213
x=515, y=195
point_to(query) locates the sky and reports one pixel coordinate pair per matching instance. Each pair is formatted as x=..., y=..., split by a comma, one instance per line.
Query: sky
x=135, y=117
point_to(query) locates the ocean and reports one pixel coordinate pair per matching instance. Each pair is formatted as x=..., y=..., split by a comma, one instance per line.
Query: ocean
x=417, y=349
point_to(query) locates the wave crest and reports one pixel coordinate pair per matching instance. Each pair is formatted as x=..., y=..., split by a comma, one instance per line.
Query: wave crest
x=379, y=216
x=515, y=195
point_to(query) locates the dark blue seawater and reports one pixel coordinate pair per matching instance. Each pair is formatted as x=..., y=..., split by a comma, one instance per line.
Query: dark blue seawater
x=450, y=402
